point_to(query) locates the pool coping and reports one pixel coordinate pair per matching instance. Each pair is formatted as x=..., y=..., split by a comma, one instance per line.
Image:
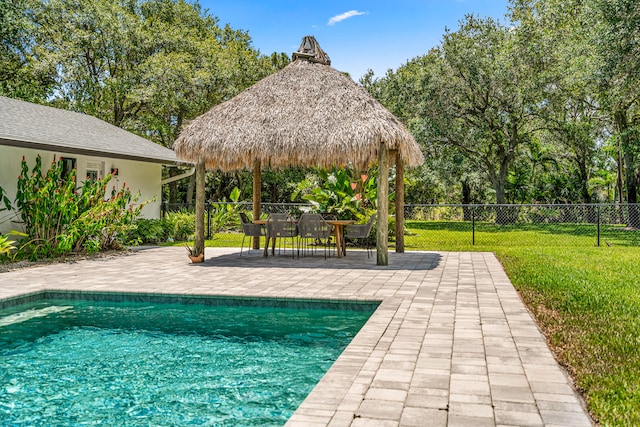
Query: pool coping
x=450, y=342
x=207, y=300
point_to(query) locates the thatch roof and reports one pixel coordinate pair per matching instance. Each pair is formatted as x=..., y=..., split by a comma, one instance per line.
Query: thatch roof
x=307, y=114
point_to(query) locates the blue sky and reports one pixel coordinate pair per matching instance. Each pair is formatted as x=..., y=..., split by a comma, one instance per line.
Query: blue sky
x=357, y=35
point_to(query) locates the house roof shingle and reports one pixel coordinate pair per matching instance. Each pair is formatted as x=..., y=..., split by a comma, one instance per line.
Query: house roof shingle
x=24, y=124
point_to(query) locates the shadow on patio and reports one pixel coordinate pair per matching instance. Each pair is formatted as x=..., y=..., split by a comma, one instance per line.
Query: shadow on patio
x=355, y=259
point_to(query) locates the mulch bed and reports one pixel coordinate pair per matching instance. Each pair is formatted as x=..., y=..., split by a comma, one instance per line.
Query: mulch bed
x=6, y=266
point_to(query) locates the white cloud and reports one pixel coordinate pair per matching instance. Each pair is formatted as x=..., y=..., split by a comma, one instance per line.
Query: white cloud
x=343, y=16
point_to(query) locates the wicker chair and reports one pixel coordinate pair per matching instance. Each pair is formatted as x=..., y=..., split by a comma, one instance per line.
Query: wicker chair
x=312, y=227
x=281, y=226
x=361, y=231
x=249, y=229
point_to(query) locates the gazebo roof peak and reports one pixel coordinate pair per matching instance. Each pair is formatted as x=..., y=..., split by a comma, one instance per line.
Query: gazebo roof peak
x=310, y=50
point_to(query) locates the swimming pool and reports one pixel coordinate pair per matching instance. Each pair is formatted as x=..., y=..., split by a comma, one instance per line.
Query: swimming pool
x=77, y=361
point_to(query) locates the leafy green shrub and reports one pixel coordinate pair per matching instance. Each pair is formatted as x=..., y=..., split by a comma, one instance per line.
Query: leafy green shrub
x=225, y=216
x=59, y=219
x=6, y=246
x=146, y=231
x=180, y=225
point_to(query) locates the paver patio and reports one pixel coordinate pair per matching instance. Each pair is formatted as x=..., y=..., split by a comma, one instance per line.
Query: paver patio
x=451, y=343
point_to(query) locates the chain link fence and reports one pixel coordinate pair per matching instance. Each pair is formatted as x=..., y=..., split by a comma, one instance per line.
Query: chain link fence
x=522, y=225
x=474, y=226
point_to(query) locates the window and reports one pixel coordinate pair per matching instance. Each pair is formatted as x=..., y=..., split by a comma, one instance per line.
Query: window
x=68, y=164
x=94, y=171
x=92, y=175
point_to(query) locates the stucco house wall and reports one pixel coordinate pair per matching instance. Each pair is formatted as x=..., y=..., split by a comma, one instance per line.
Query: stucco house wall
x=30, y=130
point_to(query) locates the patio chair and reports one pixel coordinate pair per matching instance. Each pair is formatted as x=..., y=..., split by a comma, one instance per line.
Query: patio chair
x=312, y=227
x=361, y=231
x=249, y=229
x=281, y=226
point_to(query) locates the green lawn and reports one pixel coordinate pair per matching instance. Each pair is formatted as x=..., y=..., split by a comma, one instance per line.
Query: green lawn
x=458, y=236
x=585, y=298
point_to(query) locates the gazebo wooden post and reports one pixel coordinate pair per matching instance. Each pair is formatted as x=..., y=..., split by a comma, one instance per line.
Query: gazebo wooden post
x=382, y=232
x=198, y=245
x=399, y=199
x=257, y=184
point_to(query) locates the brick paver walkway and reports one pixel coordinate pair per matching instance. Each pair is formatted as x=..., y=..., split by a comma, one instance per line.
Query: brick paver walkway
x=451, y=343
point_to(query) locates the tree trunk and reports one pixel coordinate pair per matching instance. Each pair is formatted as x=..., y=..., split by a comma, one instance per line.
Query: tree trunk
x=190, y=187
x=466, y=199
x=504, y=214
x=630, y=166
x=632, y=191
x=498, y=181
x=632, y=178
x=173, y=186
x=500, y=191
x=619, y=179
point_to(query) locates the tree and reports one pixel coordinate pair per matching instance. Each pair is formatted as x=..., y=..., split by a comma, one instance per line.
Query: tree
x=571, y=114
x=143, y=65
x=482, y=96
x=596, y=91
x=617, y=74
x=401, y=93
x=18, y=78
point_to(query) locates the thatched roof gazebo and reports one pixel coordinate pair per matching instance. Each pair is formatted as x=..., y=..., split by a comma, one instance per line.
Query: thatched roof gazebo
x=307, y=114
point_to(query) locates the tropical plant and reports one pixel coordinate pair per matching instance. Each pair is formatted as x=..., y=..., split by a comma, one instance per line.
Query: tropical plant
x=5, y=204
x=6, y=245
x=225, y=216
x=175, y=226
x=180, y=225
x=146, y=230
x=59, y=219
x=339, y=192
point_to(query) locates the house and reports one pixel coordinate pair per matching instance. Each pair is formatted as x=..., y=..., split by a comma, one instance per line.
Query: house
x=94, y=147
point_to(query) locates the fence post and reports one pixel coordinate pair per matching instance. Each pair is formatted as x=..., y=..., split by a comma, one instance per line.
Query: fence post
x=598, y=215
x=473, y=225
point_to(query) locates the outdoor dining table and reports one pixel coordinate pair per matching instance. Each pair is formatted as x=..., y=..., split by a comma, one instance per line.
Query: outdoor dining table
x=338, y=229
x=267, y=239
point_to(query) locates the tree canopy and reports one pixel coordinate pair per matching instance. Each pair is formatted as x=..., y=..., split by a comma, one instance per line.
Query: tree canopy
x=539, y=108
x=144, y=65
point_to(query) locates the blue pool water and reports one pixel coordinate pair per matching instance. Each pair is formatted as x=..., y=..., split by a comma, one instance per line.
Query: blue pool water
x=71, y=362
